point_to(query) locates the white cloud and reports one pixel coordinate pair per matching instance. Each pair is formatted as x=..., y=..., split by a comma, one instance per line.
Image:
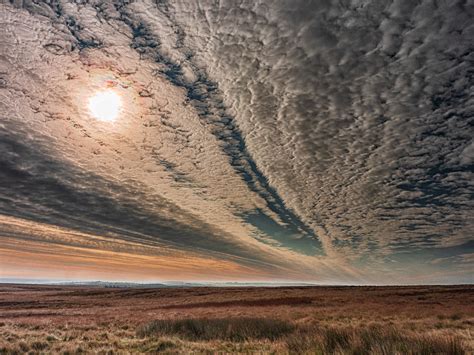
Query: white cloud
x=356, y=114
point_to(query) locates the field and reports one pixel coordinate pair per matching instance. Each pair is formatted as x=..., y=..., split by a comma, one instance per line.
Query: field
x=341, y=320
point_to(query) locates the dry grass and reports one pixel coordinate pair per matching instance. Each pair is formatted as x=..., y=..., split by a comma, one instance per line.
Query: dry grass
x=372, y=340
x=319, y=320
x=380, y=339
x=231, y=329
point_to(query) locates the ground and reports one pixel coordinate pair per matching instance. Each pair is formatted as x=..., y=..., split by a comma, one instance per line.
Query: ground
x=76, y=319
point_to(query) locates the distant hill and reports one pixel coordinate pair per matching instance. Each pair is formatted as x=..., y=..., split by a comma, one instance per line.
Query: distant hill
x=165, y=284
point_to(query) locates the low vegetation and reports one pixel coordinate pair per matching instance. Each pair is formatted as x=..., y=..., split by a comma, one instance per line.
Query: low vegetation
x=231, y=329
x=352, y=321
x=237, y=335
x=371, y=340
x=306, y=339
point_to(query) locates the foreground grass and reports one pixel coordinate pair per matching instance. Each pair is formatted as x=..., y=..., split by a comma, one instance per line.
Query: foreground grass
x=307, y=339
x=233, y=335
x=319, y=320
x=322, y=320
x=232, y=329
x=372, y=340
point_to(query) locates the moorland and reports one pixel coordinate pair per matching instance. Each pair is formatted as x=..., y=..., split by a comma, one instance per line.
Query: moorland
x=326, y=320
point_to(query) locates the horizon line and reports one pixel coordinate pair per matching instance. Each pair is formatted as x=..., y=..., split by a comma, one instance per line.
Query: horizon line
x=171, y=283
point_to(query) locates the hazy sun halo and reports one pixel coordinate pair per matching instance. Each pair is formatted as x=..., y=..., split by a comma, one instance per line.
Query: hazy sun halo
x=105, y=105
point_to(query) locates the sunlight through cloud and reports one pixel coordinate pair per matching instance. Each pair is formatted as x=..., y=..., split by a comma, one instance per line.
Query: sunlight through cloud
x=105, y=105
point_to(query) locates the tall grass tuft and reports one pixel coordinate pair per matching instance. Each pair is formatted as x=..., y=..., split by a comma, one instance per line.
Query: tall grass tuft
x=371, y=340
x=377, y=339
x=232, y=329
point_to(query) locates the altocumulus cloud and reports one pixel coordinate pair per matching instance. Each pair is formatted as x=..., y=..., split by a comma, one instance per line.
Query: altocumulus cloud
x=310, y=140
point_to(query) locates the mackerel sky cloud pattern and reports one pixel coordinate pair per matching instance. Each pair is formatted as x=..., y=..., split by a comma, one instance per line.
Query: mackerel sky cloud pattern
x=325, y=141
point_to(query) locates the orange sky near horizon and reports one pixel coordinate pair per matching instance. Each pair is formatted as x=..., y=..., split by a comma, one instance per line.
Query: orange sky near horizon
x=50, y=252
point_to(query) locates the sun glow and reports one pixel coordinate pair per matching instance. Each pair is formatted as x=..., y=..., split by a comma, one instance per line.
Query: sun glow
x=105, y=105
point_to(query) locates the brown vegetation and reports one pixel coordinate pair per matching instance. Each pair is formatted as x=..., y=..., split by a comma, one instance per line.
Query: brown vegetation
x=232, y=329
x=315, y=320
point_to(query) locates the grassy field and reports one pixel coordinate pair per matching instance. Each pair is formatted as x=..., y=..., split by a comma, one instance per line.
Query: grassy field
x=313, y=320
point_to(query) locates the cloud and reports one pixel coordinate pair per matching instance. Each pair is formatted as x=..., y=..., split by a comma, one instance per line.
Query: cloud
x=356, y=114
x=311, y=139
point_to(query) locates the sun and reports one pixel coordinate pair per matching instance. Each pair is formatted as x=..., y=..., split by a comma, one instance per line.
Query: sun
x=105, y=105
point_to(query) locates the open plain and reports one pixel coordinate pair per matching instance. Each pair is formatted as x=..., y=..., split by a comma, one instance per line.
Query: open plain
x=345, y=320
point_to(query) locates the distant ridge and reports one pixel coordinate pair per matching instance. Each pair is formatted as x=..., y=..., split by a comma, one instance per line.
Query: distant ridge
x=165, y=284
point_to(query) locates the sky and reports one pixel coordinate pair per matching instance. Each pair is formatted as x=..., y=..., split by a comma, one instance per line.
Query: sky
x=318, y=141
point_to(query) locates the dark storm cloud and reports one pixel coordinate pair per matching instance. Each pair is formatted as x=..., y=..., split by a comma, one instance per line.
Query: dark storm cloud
x=340, y=132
